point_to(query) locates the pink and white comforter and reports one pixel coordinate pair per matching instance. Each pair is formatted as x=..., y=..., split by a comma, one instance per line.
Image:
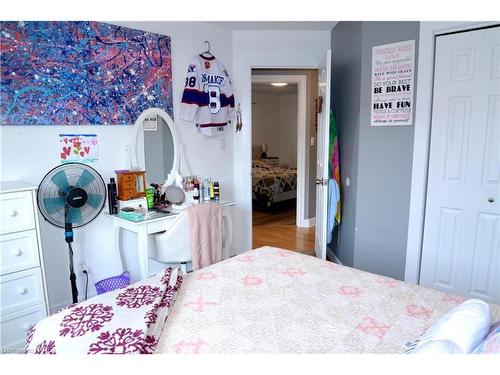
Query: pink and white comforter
x=277, y=301
x=128, y=320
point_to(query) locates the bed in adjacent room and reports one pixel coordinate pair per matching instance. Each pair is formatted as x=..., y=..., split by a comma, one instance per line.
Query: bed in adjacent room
x=267, y=300
x=272, y=183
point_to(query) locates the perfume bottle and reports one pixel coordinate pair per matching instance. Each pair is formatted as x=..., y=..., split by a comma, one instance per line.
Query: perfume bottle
x=216, y=191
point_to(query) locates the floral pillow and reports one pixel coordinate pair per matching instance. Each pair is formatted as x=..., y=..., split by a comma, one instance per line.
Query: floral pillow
x=491, y=343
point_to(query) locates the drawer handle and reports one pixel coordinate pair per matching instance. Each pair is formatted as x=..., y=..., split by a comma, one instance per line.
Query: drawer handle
x=11, y=213
x=17, y=252
x=22, y=291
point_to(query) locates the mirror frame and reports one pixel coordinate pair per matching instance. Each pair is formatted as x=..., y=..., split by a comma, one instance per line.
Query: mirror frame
x=175, y=139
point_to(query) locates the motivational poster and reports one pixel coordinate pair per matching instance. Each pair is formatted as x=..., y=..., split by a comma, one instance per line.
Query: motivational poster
x=393, y=67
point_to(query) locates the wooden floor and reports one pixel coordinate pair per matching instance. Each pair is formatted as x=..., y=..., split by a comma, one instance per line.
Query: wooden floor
x=276, y=227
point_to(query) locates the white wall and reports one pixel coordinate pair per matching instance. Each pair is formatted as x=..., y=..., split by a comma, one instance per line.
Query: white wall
x=262, y=49
x=266, y=120
x=288, y=131
x=27, y=153
x=274, y=121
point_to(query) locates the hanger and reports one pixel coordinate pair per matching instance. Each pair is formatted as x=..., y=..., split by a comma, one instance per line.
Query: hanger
x=207, y=52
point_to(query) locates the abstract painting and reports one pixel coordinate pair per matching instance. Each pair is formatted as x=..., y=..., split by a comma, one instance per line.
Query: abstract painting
x=81, y=73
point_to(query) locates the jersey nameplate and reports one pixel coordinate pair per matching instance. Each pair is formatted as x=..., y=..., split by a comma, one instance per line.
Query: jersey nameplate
x=212, y=79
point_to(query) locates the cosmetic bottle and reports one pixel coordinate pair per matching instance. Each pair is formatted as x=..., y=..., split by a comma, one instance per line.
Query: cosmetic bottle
x=216, y=191
x=196, y=195
x=206, y=190
x=200, y=191
x=112, y=199
x=212, y=196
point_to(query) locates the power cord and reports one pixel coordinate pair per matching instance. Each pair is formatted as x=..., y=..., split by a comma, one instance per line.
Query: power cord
x=86, y=282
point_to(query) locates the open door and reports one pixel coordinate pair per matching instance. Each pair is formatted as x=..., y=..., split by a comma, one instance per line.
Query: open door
x=324, y=78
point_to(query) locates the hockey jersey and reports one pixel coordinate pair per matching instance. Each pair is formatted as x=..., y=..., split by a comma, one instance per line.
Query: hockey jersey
x=208, y=96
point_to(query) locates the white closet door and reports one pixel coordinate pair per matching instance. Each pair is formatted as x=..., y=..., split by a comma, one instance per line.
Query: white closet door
x=461, y=245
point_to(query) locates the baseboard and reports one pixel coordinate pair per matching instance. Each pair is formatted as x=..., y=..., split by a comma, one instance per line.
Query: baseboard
x=308, y=223
x=331, y=255
x=60, y=306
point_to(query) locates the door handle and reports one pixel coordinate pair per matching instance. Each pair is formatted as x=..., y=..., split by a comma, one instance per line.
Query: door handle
x=491, y=200
x=321, y=181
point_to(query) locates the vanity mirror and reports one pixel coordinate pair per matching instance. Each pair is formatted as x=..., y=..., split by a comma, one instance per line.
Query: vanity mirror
x=155, y=147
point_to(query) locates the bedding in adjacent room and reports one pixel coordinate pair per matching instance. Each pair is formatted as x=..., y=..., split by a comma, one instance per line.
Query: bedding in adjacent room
x=272, y=183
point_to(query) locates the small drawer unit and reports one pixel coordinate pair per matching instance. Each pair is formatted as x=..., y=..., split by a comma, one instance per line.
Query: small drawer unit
x=23, y=288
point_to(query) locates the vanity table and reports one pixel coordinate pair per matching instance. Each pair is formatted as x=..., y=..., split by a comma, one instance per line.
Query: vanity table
x=159, y=222
x=158, y=151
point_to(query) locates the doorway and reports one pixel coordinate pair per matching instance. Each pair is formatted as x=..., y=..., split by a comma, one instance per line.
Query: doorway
x=284, y=158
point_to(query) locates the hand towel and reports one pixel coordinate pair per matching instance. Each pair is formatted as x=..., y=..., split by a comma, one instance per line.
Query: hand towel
x=205, y=234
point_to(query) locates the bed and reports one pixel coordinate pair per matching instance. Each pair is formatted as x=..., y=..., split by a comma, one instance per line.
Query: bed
x=271, y=300
x=271, y=183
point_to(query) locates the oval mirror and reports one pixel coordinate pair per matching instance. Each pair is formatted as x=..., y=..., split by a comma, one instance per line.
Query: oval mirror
x=155, y=146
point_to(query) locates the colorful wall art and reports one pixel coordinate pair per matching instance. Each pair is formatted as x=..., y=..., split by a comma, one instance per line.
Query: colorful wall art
x=81, y=73
x=82, y=148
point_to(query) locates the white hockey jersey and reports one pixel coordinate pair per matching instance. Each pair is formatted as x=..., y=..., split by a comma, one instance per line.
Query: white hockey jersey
x=208, y=96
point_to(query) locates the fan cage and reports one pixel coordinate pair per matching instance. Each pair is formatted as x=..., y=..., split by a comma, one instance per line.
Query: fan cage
x=73, y=172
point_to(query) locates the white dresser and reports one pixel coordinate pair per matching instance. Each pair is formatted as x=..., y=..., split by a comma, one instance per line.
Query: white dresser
x=23, y=289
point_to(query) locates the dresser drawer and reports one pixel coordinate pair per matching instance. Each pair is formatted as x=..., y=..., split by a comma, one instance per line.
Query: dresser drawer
x=14, y=327
x=21, y=290
x=16, y=212
x=18, y=251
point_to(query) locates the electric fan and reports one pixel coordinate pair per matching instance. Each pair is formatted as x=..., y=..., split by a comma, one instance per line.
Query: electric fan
x=70, y=196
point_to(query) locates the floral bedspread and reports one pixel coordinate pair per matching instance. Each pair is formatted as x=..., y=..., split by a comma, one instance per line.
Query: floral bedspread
x=271, y=300
x=268, y=180
x=127, y=320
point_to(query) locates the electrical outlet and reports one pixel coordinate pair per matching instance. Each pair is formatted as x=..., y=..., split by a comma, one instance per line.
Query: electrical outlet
x=82, y=266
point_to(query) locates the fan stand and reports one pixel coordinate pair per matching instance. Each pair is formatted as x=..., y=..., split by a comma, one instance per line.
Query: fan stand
x=76, y=191
x=68, y=234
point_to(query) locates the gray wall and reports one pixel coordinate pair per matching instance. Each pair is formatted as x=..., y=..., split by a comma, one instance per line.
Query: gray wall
x=374, y=229
x=346, y=84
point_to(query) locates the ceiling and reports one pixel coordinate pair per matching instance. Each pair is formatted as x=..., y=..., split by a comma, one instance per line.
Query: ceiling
x=275, y=25
x=268, y=89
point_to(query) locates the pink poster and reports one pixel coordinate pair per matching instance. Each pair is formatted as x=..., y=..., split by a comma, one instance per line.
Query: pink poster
x=393, y=68
x=82, y=148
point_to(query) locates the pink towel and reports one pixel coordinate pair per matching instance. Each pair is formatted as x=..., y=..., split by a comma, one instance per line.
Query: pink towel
x=205, y=234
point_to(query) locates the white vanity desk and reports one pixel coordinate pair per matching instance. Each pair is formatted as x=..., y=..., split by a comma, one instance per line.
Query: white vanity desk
x=158, y=150
x=147, y=227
